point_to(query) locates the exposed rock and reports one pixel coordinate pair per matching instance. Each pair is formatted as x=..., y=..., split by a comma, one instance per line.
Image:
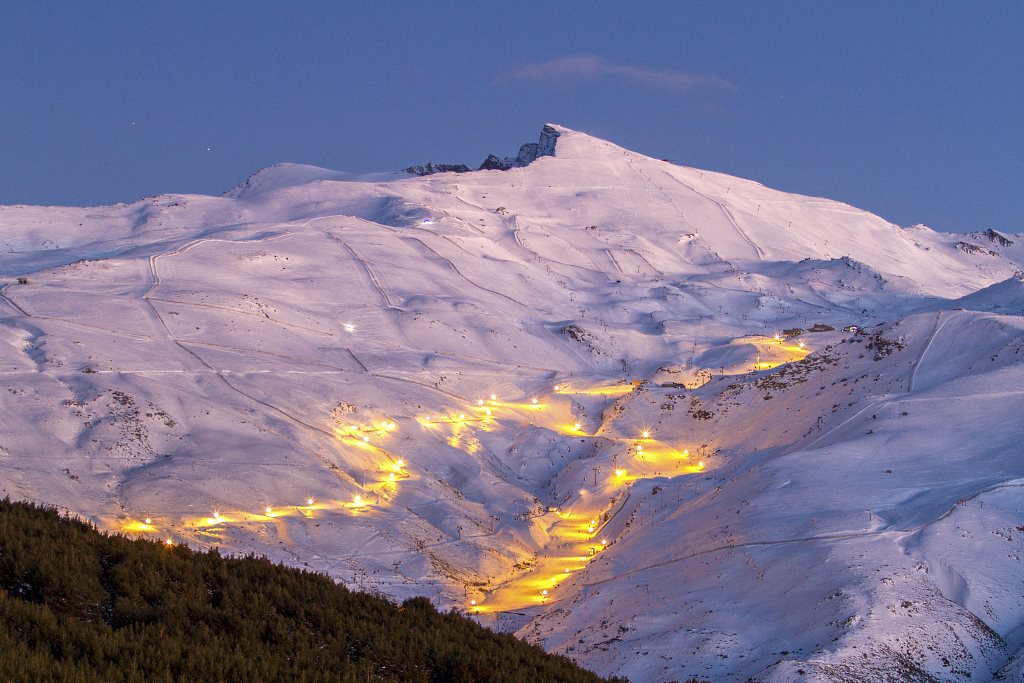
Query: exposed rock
x=528, y=153
x=432, y=168
x=998, y=238
x=969, y=248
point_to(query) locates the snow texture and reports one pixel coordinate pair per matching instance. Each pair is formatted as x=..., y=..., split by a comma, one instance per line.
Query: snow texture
x=821, y=506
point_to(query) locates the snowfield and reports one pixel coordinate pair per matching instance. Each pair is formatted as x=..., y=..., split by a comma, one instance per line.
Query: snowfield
x=609, y=403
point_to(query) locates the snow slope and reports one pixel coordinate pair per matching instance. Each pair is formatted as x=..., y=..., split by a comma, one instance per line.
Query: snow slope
x=440, y=386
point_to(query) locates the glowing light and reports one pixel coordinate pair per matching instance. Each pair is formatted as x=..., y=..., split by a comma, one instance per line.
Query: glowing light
x=620, y=473
x=309, y=501
x=567, y=570
x=544, y=592
x=169, y=541
x=366, y=439
x=473, y=603
x=590, y=529
x=358, y=500
x=487, y=411
x=349, y=327
x=533, y=400
x=801, y=345
x=647, y=433
x=399, y=464
x=686, y=452
x=557, y=387
x=700, y=464
x=583, y=492
x=216, y=516
x=391, y=476
x=479, y=401
x=147, y=520
x=269, y=510
x=778, y=337
x=462, y=416
x=604, y=541
x=639, y=448
x=494, y=397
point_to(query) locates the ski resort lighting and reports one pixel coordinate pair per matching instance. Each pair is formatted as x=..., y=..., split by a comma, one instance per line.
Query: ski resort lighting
x=620, y=473
x=217, y=517
x=533, y=401
x=366, y=439
x=268, y=510
x=604, y=541
x=357, y=500
x=309, y=502
x=147, y=520
x=647, y=433
x=479, y=401
x=801, y=344
x=544, y=592
x=349, y=327
x=399, y=464
x=639, y=448
x=700, y=464
x=391, y=476
x=494, y=397
x=778, y=337
x=168, y=541
x=686, y=453
x=487, y=411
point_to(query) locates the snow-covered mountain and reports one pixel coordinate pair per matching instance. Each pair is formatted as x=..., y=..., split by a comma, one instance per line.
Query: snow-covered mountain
x=663, y=420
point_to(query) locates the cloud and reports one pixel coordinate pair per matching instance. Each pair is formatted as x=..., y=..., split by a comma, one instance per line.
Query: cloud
x=587, y=68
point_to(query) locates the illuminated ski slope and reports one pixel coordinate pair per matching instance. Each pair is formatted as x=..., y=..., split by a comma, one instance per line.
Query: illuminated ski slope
x=440, y=386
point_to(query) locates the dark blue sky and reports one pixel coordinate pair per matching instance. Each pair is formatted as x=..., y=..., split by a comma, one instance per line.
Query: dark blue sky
x=912, y=110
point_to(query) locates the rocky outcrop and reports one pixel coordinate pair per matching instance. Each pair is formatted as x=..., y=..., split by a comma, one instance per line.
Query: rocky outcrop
x=528, y=153
x=432, y=168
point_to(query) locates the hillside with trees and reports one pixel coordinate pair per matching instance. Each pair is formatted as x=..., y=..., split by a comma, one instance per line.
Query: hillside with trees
x=78, y=605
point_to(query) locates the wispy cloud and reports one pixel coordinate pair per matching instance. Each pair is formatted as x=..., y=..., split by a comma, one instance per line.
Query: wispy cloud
x=586, y=68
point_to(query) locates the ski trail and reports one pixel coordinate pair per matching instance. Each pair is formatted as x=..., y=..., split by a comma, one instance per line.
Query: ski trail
x=3, y=295
x=611, y=257
x=455, y=269
x=722, y=207
x=366, y=268
x=238, y=311
x=917, y=364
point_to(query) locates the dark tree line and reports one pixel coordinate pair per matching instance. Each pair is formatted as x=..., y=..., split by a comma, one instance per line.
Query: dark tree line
x=78, y=605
